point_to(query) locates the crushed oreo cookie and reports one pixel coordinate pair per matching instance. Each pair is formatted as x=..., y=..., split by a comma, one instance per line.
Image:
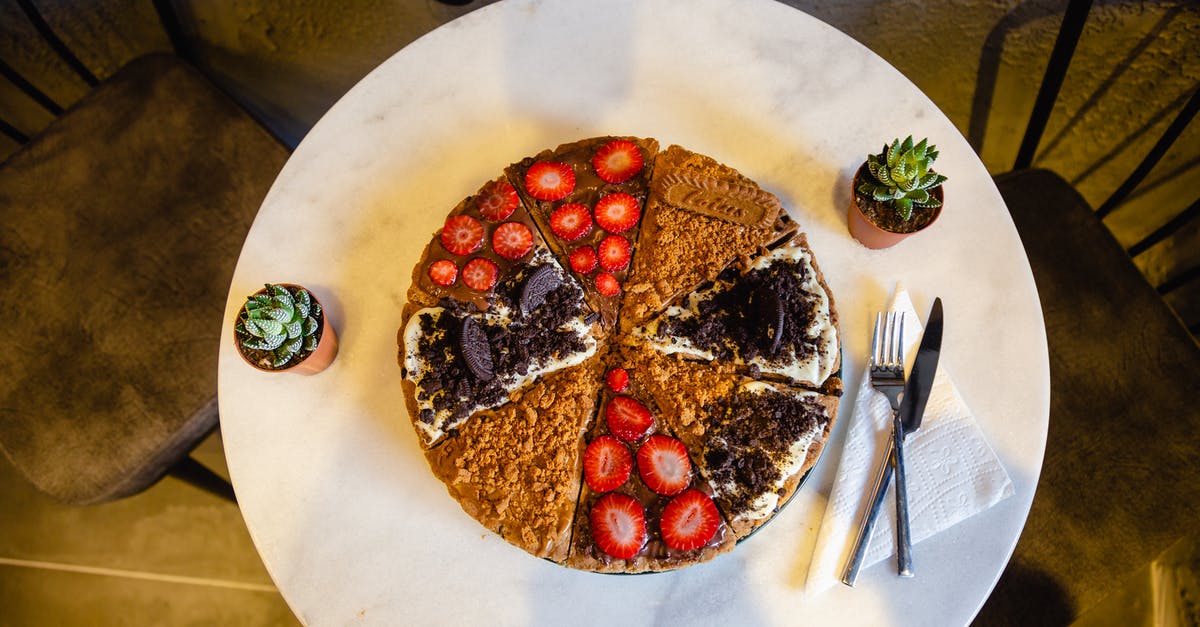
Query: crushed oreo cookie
x=751, y=440
x=449, y=382
x=733, y=321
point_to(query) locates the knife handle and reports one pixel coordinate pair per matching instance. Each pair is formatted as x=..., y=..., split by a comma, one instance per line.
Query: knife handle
x=878, y=491
x=903, y=537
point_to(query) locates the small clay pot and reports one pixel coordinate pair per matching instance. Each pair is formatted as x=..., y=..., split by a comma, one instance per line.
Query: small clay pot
x=316, y=361
x=868, y=233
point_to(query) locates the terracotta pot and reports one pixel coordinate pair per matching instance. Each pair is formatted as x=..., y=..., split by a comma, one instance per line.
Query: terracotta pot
x=865, y=231
x=316, y=361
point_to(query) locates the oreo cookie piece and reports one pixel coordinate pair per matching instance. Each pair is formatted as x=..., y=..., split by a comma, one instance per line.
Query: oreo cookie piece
x=476, y=349
x=770, y=313
x=540, y=282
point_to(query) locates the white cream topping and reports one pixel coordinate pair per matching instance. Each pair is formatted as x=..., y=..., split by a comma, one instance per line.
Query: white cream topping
x=764, y=504
x=416, y=368
x=670, y=344
x=815, y=369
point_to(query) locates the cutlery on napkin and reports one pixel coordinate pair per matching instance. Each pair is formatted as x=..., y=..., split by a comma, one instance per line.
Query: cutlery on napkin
x=953, y=473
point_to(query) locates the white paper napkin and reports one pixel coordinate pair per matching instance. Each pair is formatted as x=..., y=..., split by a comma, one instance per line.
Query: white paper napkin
x=952, y=472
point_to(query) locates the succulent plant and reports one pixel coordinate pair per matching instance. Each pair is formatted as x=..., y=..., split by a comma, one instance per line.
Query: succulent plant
x=902, y=176
x=280, y=320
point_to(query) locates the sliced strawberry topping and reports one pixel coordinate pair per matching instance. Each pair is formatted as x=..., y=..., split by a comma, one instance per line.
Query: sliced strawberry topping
x=614, y=253
x=689, y=521
x=443, y=272
x=617, y=380
x=617, y=213
x=549, y=180
x=627, y=419
x=618, y=524
x=607, y=463
x=512, y=240
x=664, y=465
x=571, y=221
x=480, y=274
x=462, y=235
x=607, y=284
x=617, y=161
x=497, y=201
x=583, y=259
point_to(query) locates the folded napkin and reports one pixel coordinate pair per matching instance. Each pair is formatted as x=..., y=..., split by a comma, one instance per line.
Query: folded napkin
x=952, y=472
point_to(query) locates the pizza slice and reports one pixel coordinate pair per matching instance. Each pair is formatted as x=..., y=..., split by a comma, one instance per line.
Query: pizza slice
x=774, y=318
x=490, y=309
x=516, y=469
x=701, y=216
x=642, y=506
x=588, y=197
x=753, y=441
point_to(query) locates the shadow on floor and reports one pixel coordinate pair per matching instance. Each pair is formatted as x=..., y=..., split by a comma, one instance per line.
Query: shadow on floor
x=172, y=555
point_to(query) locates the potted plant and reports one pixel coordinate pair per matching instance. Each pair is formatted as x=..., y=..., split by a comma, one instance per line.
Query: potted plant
x=895, y=194
x=283, y=328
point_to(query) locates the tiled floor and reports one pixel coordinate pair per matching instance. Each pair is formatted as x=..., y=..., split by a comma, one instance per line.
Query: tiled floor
x=172, y=555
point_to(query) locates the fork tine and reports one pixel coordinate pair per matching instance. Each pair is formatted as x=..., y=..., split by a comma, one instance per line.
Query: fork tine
x=891, y=338
x=875, y=338
x=900, y=341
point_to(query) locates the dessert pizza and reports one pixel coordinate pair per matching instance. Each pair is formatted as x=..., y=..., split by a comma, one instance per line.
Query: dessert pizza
x=620, y=358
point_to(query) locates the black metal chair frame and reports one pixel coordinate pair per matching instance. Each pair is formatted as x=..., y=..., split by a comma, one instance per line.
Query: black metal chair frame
x=1052, y=81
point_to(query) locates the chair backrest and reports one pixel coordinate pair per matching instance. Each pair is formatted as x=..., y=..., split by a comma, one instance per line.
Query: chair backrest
x=1185, y=221
x=166, y=18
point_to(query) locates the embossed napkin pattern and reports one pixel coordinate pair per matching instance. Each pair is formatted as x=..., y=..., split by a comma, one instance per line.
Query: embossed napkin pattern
x=953, y=473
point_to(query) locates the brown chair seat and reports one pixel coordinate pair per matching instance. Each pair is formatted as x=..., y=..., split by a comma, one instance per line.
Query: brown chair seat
x=1119, y=481
x=120, y=226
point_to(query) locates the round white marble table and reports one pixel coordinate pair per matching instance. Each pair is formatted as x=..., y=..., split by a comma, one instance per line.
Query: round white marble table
x=336, y=494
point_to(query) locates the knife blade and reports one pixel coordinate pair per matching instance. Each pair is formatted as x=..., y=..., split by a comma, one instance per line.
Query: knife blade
x=912, y=408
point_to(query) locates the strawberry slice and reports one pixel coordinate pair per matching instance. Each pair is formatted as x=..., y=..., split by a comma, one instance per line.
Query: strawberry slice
x=607, y=284
x=617, y=213
x=689, y=521
x=462, y=235
x=607, y=463
x=583, y=259
x=614, y=253
x=627, y=419
x=664, y=465
x=512, y=240
x=618, y=524
x=480, y=274
x=571, y=221
x=497, y=201
x=443, y=272
x=617, y=379
x=617, y=161
x=549, y=180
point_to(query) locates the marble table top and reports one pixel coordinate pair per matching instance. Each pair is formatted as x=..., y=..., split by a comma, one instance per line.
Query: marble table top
x=339, y=500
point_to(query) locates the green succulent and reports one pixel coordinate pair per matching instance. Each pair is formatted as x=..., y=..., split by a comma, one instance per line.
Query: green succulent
x=280, y=320
x=902, y=176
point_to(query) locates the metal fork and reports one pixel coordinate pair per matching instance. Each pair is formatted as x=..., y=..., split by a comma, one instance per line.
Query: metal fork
x=887, y=376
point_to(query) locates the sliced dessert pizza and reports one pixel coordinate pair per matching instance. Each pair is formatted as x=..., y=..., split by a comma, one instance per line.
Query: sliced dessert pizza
x=516, y=469
x=489, y=311
x=773, y=318
x=588, y=199
x=753, y=441
x=642, y=507
x=701, y=216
